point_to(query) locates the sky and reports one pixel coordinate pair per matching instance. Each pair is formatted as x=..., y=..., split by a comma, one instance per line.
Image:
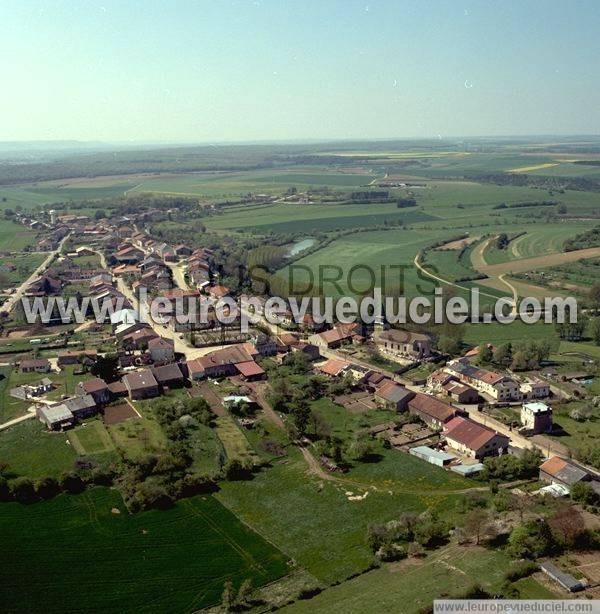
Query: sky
x=208, y=71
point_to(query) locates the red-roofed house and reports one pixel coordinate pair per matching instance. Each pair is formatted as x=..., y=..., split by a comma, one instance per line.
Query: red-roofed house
x=474, y=439
x=250, y=370
x=432, y=411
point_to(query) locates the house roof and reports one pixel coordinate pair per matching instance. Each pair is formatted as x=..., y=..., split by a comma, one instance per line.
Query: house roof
x=402, y=336
x=167, y=373
x=33, y=363
x=393, y=393
x=333, y=366
x=93, y=385
x=83, y=402
x=563, y=470
x=160, y=342
x=219, y=291
x=230, y=355
x=469, y=433
x=334, y=335
x=432, y=407
x=453, y=387
x=56, y=413
x=117, y=387
x=140, y=380
x=249, y=368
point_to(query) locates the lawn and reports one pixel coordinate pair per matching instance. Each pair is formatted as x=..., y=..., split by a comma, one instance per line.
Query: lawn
x=576, y=434
x=30, y=450
x=235, y=443
x=10, y=407
x=137, y=437
x=73, y=554
x=314, y=522
x=91, y=438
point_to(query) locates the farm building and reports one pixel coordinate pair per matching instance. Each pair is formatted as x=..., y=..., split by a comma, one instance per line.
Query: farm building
x=467, y=470
x=435, y=457
x=474, y=439
x=566, y=580
x=567, y=473
x=393, y=396
x=432, y=411
x=56, y=417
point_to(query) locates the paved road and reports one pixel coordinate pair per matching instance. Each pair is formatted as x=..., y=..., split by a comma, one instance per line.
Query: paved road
x=20, y=291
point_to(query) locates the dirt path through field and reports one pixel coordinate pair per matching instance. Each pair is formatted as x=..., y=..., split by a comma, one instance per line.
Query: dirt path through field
x=538, y=262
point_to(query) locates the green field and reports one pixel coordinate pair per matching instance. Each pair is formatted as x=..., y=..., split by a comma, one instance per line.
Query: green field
x=73, y=554
x=15, y=237
x=32, y=451
x=315, y=523
x=410, y=585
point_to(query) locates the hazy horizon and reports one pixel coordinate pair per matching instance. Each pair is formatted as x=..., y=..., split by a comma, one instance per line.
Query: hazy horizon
x=262, y=71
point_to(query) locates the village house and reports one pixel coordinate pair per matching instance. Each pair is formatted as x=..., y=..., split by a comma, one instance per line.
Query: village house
x=331, y=339
x=536, y=417
x=497, y=386
x=141, y=384
x=393, y=396
x=183, y=251
x=129, y=255
x=139, y=339
x=97, y=388
x=432, y=411
x=403, y=344
x=35, y=365
x=474, y=439
x=81, y=406
x=168, y=376
x=535, y=389
x=221, y=363
x=333, y=367
x=74, y=357
x=161, y=349
x=460, y=393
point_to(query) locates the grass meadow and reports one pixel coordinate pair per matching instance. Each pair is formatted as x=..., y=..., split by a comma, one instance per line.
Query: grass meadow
x=314, y=522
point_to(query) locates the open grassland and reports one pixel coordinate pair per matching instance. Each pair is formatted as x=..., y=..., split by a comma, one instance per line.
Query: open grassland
x=381, y=259
x=72, y=554
x=15, y=237
x=292, y=218
x=496, y=333
x=315, y=523
x=411, y=585
x=30, y=450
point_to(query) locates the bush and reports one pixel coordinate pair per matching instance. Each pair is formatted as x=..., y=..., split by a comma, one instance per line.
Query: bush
x=520, y=570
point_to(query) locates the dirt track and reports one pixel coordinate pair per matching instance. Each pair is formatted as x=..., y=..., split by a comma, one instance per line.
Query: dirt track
x=538, y=262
